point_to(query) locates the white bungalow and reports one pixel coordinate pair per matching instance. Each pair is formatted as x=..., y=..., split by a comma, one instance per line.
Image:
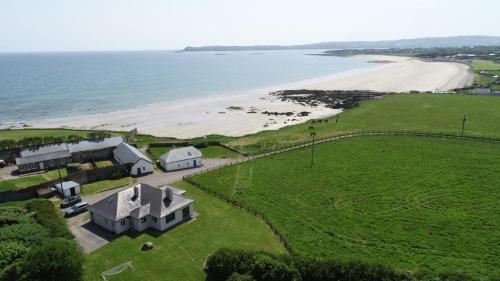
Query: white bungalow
x=127, y=154
x=140, y=207
x=181, y=158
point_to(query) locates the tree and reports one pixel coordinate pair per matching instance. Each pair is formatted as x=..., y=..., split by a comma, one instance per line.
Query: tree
x=55, y=260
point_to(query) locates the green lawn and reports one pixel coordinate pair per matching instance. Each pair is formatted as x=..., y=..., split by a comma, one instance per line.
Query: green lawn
x=105, y=163
x=413, y=203
x=105, y=185
x=479, y=65
x=429, y=112
x=208, y=152
x=27, y=181
x=179, y=254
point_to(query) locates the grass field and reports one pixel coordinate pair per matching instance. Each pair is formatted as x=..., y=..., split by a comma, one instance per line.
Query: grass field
x=413, y=203
x=179, y=254
x=207, y=152
x=429, y=112
x=105, y=185
x=23, y=182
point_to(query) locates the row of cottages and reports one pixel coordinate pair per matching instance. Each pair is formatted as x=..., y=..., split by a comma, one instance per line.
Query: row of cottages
x=127, y=154
x=46, y=157
x=140, y=207
x=181, y=158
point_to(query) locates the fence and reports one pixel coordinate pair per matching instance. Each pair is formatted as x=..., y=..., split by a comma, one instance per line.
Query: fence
x=304, y=144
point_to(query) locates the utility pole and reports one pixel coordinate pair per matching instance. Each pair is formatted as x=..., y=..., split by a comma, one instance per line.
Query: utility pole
x=313, y=135
x=463, y=124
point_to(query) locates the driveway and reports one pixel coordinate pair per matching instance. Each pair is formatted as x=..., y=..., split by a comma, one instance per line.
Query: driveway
x=6, y=172
x=91, y=237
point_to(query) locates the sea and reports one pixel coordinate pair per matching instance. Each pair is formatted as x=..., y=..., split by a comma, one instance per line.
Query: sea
x=39, y=86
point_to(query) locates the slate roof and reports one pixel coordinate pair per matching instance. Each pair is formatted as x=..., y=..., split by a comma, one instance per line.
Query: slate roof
x=148, y=201
x=90, y=145
x=43, y=157
x=125, y=153
x=43, y=149
x=179, y=154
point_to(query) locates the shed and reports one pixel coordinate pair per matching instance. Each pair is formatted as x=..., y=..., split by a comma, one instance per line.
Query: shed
x=181, y=158
x=68, y=188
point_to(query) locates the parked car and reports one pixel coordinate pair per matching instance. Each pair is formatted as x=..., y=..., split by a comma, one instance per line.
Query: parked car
x=2, y=164
x=76, y=209
x=70, y=201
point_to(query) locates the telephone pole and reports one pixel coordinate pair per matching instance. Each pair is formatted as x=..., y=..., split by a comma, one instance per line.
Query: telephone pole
x=463, y=124
x=313, y=135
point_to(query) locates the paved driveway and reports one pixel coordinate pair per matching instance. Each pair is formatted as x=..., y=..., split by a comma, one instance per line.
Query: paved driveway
x=6, y=172
x=91, y=237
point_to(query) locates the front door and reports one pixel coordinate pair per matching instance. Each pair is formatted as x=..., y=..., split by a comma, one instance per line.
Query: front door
x=41, y=166
x=185, y=213
x=194, y=163
x=72, y=191
x=139, y=171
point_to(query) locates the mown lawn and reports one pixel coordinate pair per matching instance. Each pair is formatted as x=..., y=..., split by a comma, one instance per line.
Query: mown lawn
x=429, y=112
x=99, y=186
x=413, y=203
x=207, y=152
x=180, y=253
x=27, y=181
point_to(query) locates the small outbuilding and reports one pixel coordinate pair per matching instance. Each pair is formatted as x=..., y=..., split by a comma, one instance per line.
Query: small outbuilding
x=127, y=154
x=181, y=158
x=68, y=188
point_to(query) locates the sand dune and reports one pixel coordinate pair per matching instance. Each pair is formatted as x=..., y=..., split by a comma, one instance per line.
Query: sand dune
x=241, y=114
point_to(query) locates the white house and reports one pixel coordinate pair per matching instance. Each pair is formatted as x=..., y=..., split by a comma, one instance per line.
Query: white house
x=68, y=188
x=127, y=154
x=181, y=158
x=140, y=207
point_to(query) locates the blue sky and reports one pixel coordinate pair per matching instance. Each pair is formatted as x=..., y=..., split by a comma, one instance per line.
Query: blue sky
x=71, y=25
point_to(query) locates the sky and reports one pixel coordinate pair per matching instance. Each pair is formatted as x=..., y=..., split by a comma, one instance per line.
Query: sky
x=91, y=25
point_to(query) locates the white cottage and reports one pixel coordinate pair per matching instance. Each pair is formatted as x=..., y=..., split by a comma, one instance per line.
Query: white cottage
x=127, y=154
x=140, y=207
x=68, y=188
x=181, y=158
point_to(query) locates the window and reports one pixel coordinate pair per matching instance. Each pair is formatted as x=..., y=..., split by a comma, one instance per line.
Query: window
x=123, y=222
x=143, y=168
x=170, y=217
x=62, y=161
x=155, y=219
x=51, y=162
x=144, y=219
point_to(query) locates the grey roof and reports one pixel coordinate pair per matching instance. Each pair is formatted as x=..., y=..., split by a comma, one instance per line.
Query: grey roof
x=179, y=154
x=67, y=184
x=43, y=149
x=148, y=201
x=125, y=153
x=43, y=157
x=90, y=145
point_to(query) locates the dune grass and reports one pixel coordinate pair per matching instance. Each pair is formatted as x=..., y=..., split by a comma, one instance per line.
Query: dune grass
x=413, y=203
x=428, y=112
x=179, y=254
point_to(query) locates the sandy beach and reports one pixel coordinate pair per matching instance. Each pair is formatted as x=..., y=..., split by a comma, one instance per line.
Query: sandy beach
x=240, y=114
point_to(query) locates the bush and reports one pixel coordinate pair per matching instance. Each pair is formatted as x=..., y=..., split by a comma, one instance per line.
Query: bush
x=46, y=215
x=55, y=259
x=240, y=277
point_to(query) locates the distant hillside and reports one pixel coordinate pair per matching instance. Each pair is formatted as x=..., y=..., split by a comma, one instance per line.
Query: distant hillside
x=455, y=41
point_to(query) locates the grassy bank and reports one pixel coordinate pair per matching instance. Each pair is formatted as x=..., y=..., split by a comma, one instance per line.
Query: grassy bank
x=26, y=181
x=179, y=254
x=412, y=203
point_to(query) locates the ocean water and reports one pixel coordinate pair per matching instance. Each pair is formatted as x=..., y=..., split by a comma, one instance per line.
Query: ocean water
x=37, y=86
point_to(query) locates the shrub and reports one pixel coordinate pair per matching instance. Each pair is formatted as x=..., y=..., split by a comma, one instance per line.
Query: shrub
x=46, y=215
x=55, y=259
x=11, y=250
x=240, y=277
x=27, y=234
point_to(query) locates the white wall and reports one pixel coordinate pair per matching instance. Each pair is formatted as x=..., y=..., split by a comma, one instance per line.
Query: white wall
x=183, y=164
x=102, y=221
x=144, y=165
x=139, y=225
x=121, y=228
x=178, y=218
x=67, y=192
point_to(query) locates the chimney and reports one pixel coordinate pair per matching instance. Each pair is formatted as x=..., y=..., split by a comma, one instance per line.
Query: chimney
x=169, y=193
x=136, y=193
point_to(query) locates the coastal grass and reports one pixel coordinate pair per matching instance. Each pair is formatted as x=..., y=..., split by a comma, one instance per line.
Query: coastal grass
x=27, y=181
x=180, y=253
x=426, y=112
x=412, y=203
x=207, y=152
x=486, y=65
x=103, y=185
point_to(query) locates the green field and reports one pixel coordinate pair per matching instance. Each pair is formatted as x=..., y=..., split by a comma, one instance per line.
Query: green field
x=179, y=254
x=413, y=203
x=207, y=152
x=27, y=181
x=427, y=112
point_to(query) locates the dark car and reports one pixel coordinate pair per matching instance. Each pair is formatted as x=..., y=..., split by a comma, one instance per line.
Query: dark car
x=70, y=201
x=76, y=209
